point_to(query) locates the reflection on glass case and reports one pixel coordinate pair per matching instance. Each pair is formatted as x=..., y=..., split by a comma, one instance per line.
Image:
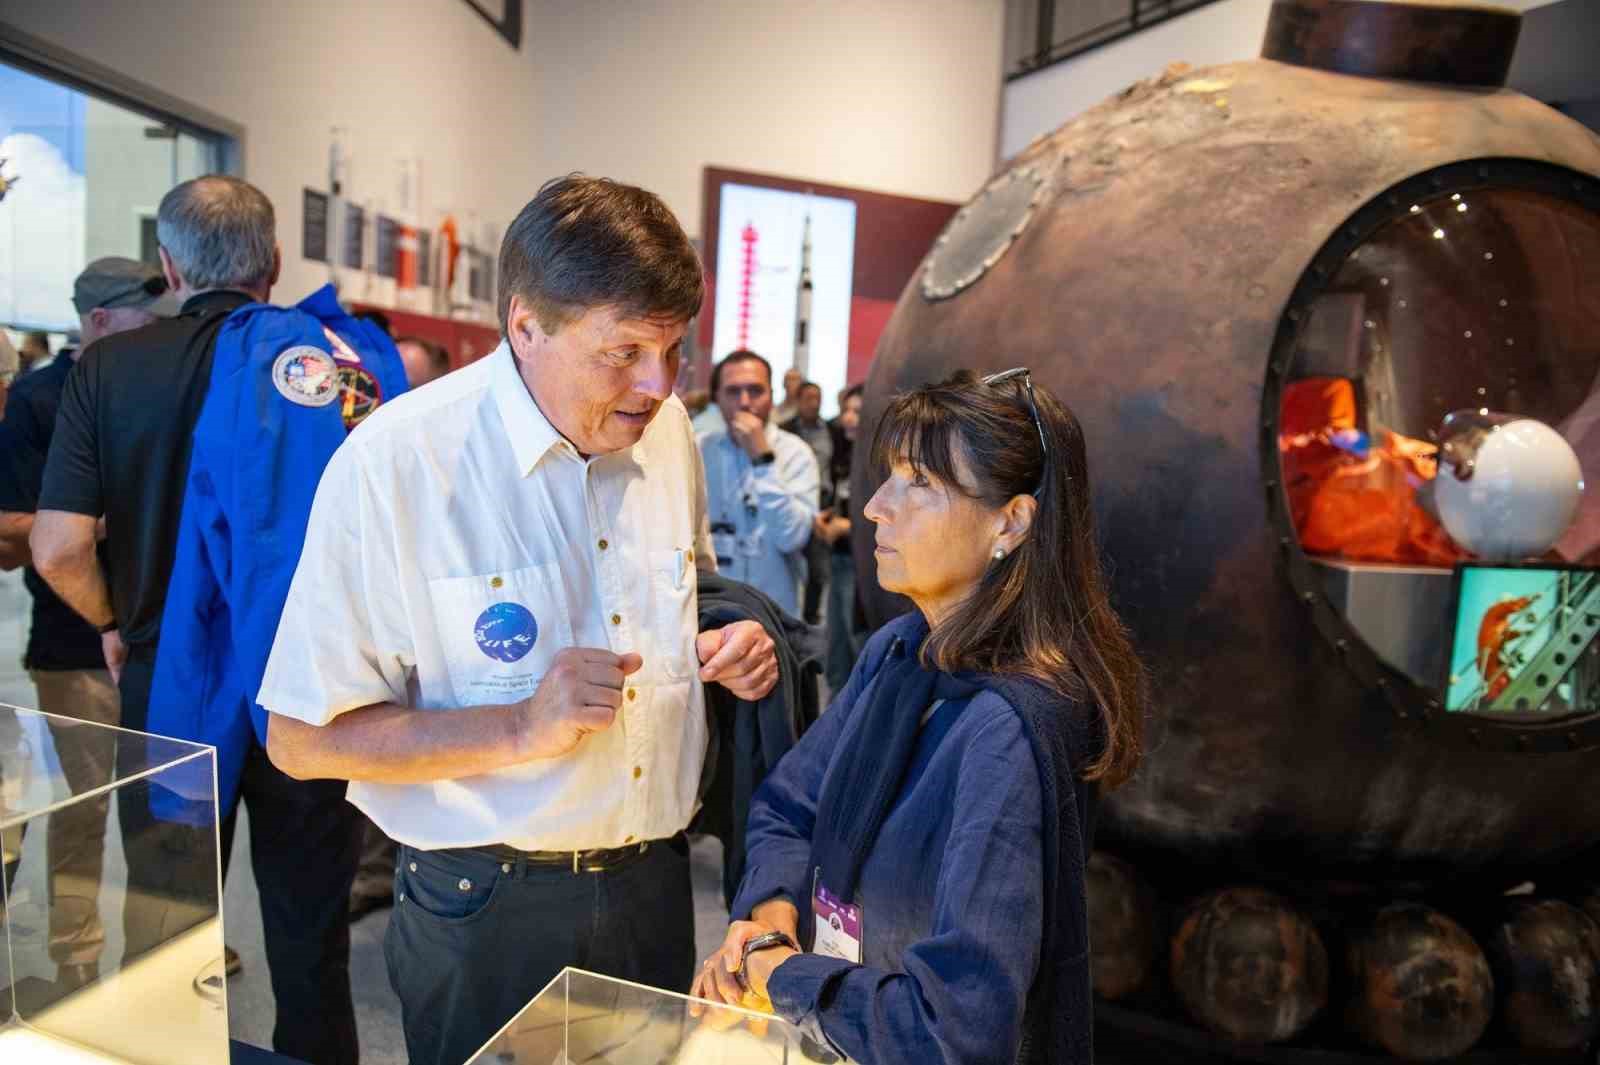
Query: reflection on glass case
x=111, y=903
x=582, y=1017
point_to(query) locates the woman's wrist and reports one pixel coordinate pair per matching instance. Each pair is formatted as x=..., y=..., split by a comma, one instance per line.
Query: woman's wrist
x=761, y=964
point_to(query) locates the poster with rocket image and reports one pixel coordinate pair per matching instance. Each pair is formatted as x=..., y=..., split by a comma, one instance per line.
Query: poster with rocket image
x=1525, y=640
x=785, y=264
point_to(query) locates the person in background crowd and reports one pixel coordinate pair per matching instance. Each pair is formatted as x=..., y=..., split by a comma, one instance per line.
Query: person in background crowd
x=762, y=484
x=833, y=526
x=926, y=840
x=10, y=364
x=35, y=350
x=122, y=448
x=424, y=360
x=792, y=380
x=508, y=560
x=63, y=656
x=808, y=425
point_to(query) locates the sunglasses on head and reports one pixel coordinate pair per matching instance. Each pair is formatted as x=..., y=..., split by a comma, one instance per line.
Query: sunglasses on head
x=1021, y=372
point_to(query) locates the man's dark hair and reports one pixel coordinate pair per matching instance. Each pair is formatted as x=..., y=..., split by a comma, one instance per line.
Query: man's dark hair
x=739, y=355
x=587, y=242
x=437, y=355
x=806, y=386
x=853, y=390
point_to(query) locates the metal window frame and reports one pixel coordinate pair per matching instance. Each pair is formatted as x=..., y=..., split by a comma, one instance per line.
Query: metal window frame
x=1142, y=15
x=27, y=52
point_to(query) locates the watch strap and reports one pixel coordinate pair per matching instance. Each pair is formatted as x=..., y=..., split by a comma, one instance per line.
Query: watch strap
x=761, y=942
x=766, y=458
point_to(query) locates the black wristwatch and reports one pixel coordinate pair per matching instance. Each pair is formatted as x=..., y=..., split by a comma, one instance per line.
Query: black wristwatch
x=761, y=942
x=110, y=626
x=766, y=458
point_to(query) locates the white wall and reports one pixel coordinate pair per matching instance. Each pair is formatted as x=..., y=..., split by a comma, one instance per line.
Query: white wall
x=1218, y=33
x=424, y=77
x=900, y=96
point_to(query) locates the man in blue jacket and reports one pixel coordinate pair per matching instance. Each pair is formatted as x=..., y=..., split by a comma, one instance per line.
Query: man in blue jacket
x=287, y=385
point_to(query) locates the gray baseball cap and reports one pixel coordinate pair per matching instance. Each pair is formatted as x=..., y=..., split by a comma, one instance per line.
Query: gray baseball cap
x=116, y=282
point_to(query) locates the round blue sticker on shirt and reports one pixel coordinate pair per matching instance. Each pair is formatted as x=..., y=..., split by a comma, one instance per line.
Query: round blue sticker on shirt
x=506, y=631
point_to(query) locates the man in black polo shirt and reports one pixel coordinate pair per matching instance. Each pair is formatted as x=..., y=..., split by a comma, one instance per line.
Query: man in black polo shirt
x=63, y=657
x=122, y=446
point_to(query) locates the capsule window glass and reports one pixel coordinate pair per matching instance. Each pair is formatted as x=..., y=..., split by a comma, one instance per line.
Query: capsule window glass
x=1441, y=410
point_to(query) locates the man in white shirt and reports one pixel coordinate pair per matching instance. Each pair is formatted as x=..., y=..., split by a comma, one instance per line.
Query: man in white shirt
x=762, y=484
x=492, y=630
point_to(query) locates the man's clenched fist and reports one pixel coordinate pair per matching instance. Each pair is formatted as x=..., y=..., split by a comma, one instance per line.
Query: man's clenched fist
x=579, y=695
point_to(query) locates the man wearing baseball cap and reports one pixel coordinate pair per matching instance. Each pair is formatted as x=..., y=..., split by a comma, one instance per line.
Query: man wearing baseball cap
x=64, y=656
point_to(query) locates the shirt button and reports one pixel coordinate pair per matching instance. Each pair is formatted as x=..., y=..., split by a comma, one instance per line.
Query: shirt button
x=637, y=772
x=604, y=545
x=633, y=693
x=495, y=582
x=616, y=619
x=691, y=556
x=627, y=839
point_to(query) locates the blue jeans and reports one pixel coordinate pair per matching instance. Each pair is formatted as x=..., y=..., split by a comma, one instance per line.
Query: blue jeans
x=473, y=938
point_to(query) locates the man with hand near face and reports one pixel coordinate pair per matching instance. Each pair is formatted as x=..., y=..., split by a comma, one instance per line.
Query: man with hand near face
x=492, y=630
x=762, y=484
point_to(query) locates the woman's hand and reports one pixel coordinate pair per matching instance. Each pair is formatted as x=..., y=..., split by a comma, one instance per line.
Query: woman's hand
x=715, y=981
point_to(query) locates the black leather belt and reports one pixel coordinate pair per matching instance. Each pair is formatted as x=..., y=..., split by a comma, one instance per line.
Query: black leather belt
x=596, y=860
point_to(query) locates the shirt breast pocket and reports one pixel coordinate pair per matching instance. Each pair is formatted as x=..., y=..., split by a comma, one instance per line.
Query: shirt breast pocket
x=674, y=612
x=500, y=631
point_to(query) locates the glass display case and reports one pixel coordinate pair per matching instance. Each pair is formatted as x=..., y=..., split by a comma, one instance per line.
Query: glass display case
x=582, y=1017
x=110, y=904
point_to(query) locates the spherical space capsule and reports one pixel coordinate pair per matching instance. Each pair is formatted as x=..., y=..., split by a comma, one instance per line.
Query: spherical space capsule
x=1260, y=287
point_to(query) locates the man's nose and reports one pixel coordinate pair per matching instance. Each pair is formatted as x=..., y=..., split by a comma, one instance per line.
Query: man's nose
x=654, y=380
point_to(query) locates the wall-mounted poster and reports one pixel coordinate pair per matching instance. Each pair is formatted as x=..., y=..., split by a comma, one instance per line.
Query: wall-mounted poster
x=388, y=235
x=786, y=261
x=355, y=236
x=424, y=258
x=821, y=306
x=314, y=226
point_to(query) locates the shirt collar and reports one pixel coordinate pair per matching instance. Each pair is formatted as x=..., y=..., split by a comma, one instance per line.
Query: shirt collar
x=530, y=432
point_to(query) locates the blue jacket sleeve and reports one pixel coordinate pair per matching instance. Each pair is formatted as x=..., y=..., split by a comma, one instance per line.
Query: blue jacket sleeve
x=194, y=667
x=778, y=834
x=961, y=996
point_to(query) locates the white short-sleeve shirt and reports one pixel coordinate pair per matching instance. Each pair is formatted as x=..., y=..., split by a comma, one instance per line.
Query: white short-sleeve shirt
x=457, y=542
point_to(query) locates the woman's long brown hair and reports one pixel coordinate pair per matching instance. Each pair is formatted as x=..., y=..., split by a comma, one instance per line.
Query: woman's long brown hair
x=1042, y=611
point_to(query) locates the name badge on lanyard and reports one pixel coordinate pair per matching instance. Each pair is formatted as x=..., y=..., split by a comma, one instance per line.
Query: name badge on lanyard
x=838, y=924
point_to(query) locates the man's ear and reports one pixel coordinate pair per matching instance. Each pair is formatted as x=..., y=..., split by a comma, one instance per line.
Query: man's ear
x=523, y=329
x=169, y=269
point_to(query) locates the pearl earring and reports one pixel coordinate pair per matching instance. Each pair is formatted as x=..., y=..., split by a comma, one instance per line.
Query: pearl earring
x=999, y=553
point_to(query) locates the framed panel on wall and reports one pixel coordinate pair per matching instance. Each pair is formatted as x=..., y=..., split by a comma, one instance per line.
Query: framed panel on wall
x=806, y=274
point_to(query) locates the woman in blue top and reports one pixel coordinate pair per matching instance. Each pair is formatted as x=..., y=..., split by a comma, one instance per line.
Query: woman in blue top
x=926, y=839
